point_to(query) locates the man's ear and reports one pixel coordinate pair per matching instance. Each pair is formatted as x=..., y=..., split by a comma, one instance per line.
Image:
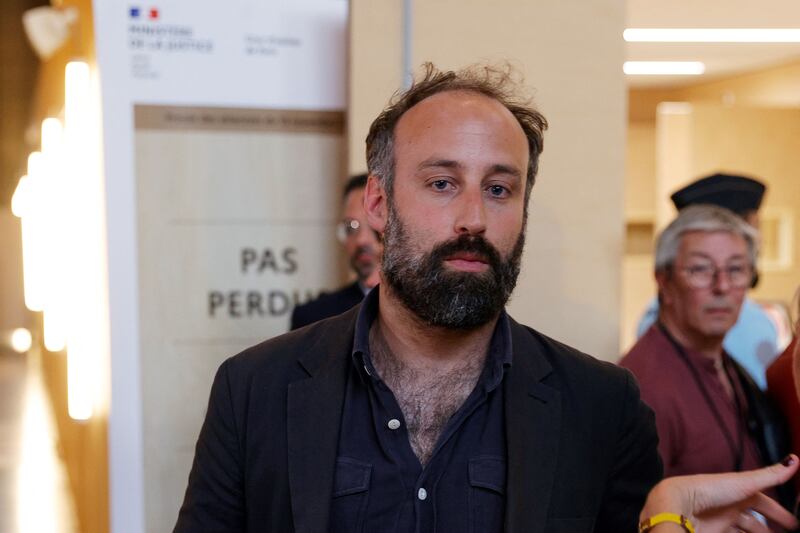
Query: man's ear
x=375, y=204
x=662, y=283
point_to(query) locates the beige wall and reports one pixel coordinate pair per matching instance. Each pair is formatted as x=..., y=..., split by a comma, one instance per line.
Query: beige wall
x=570, y=54
x=637, y=285
x=777, y=86
x=717, y=142
x=640, y=161
x=13, y=313
x=375, y=59
x=761, y=142
x=774, y=87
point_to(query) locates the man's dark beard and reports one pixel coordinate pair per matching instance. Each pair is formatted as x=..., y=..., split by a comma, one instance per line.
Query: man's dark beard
x=443, y=297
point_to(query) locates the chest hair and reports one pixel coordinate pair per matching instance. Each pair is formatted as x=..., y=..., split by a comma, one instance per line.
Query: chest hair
x=428, y=398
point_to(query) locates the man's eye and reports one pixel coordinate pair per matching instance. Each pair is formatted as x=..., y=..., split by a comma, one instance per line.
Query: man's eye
x=699, y=269
x=440, y=185
x=498, y=191
x=735, y=270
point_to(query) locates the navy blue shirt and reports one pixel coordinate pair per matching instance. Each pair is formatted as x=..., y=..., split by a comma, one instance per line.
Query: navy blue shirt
x=379, y=483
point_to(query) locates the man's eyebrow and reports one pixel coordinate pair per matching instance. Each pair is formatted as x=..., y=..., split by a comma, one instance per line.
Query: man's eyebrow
x=444, y=163
x=449, y=163
x=702, y=255
x=506, y=169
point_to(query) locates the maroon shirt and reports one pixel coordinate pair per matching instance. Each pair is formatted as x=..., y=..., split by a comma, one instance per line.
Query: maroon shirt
x=690, y=438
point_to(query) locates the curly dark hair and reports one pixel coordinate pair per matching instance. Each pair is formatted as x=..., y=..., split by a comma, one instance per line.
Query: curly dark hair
x=498, y=83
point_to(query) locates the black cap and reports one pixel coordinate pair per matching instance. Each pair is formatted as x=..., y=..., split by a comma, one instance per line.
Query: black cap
x=737, y=193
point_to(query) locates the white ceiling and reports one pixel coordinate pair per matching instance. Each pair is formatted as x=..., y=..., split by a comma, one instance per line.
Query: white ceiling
x=721, y=59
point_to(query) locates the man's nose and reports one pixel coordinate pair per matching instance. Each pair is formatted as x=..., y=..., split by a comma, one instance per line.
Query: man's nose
x=721, y=282
x=471, y=218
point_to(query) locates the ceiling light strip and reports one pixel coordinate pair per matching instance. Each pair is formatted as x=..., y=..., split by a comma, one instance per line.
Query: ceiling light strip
x=663, y=68
x=712, y=35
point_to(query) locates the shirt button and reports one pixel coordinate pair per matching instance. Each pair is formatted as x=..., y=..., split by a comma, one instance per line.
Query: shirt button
x=393, y=423
x=422, y=494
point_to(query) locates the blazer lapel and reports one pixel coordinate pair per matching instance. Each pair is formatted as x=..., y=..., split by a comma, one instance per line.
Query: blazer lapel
x=313, y=419
x=533, y=428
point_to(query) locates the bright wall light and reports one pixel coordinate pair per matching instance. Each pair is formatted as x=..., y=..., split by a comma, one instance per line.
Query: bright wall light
x=55, y=235
x=19, y=200
x=85, y=264
x=669, y=68
x=37, y=201
x=33, y=232
x=21, y=340
x=61, y=202
x=39, y=474
x=712, y=35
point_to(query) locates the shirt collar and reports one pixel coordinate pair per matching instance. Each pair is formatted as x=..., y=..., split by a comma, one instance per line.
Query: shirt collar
x=498, y=359
x=363, y=288
x=696, y=358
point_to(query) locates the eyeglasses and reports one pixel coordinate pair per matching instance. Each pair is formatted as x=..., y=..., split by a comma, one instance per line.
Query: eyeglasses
x=347, y=229
x=703, y=276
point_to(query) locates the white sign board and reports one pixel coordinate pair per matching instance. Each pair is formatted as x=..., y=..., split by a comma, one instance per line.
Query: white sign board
x=224, y=154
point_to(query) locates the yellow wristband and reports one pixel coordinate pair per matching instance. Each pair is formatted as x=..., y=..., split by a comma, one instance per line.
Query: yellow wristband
x=650, y=523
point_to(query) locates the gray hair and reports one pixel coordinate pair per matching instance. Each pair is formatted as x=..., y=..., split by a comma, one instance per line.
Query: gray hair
x=707, y=218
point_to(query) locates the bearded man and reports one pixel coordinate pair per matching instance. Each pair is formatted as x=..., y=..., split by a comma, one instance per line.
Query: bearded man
x=428, y=408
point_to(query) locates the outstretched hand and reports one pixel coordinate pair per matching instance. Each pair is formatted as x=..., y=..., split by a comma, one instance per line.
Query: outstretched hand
x=715, y=503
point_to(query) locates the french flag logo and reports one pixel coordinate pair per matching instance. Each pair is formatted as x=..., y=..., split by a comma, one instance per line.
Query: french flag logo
x=137, y=13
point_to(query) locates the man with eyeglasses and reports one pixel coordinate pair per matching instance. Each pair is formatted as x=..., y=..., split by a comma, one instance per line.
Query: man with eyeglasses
x=363, y=250
x=753, y=340
x=710, y=415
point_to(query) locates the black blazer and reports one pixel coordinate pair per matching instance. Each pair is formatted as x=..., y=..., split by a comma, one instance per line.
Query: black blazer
x=581, y=445
x=326, y=305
